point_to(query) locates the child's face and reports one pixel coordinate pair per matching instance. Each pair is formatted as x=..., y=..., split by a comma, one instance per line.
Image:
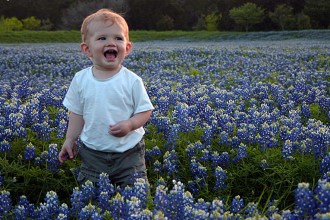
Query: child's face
x=106, y=45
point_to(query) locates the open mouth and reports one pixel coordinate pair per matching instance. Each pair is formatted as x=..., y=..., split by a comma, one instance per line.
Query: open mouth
x=110, y=54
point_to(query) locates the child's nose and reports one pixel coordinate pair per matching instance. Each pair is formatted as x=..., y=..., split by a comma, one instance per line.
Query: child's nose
x=111, y=42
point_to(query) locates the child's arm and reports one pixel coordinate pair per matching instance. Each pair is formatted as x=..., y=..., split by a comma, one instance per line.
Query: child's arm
x=122, y=128
x=76, y=124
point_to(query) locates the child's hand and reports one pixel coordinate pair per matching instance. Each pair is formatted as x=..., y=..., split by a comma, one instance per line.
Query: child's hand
x=68, y=151
x=121, y=128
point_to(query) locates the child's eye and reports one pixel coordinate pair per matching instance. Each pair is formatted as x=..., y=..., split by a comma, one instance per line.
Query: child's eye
x=119, y=38
x=101, y=38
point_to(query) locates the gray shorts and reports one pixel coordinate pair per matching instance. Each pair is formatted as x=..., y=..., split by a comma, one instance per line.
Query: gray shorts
x=121, y=167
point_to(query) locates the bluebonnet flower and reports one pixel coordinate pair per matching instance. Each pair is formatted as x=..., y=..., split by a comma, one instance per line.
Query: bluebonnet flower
x=103, y=201
x=64, y=212
x=61, y=128
x=224, y=138
x=287, y=150
x=251, y=210
x=152, y=154
x=241, y=153
x=62, y=216
x=162, y=123
x=162, y=104
x=104, y=184
x=160, y=198
x=173, y=136
x=52, y=158
x=325, y=164
x=195, y=185
x=171, y=162
x=175, y=208
x=4, y=146
x=157, y=167
x=16, y=125
x=88, y=212
x=229, y=127
x=19, y=212
x=220, y=177
x=264, y=164
x=243, y=133
x=220, y=160
x=77, y=201
x=321, y=216
x=217, y=208
x=52, y=203
x=29, y=208
x=197, y=169
x=272, y=209
x=118, y=207
x=133, y=206
x=88, y=191
x=5, y=203
x=43, y=130
x=42, y=212
x=207, y=134
x=323, y=196
x=144, y=214
x=305, y=203
x=237, y=204
x=305, y=111
x=205, y=157
x=30, y=152
x=180, y=116
x=139, y=190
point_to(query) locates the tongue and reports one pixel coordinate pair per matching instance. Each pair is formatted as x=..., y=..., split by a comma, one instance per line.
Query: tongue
x=110, y=56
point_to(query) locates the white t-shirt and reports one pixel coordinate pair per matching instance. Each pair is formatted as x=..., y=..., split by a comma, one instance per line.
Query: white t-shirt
x=105, y=102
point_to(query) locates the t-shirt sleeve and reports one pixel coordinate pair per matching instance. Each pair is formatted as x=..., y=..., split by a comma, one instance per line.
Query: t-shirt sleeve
x=142, y=101
x=72, y=99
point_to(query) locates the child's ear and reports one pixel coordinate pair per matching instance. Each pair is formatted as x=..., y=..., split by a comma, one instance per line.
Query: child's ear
x=85, y=49
x=129, y=46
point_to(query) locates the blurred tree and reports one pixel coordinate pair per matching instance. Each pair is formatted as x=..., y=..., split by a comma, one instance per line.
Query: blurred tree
x=282, y=16
x=319, y=12
x=154, y=14
x=303, y=21
x=31, y=23
x=74, y=15
x=10, y=24
x=247, y=15
x=165, y=23
x=212, y=21
x=40, y=9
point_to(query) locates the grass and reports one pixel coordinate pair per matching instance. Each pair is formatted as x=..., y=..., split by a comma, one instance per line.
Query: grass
x=139, y=36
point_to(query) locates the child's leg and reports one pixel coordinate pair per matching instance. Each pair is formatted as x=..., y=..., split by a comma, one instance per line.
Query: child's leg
x=129, y=165
x=93, y=163
x=121, y=167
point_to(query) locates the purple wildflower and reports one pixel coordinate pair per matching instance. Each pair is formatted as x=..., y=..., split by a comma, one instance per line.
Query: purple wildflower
x=30, y=152
x=5, y=203
x=305, y=203
x=220, y=177
x=237, y=204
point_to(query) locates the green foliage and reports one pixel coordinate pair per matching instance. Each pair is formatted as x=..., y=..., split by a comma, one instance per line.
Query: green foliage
x=31, y=23
x=24, y=177
x=212, y=21
x=165, y=23
x=303, y=21
x=247, y=15
x=282, y=16
x=318, y=11
x=10, y=24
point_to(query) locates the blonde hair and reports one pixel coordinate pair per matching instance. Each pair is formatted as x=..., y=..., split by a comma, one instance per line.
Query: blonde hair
x=104, y=15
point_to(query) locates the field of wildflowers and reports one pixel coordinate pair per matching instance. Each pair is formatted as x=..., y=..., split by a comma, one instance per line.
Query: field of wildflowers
x=240, y=130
